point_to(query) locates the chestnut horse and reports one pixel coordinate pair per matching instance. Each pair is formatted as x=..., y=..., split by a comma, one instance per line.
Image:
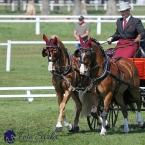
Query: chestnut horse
x=66, y=80
x=113, y=80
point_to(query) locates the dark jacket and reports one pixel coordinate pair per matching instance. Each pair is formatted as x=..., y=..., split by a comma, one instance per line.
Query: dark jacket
x=133, y=28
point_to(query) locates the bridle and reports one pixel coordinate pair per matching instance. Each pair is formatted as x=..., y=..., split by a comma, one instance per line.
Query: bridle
x=58, y=50
x=91, y=59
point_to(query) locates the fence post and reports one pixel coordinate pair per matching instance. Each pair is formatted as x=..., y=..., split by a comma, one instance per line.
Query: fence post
x=131, y=6
x=13, y=6
x=68, y=7
x=105, y=5
x=37, y=26
x=96, y=4
x=24, y=5
x=40, y=5
x=51, y=5
x=8, y=55
x=29, y=94
x=99, y=26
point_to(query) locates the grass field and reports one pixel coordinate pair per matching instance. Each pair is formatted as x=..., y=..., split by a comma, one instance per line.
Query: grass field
x=33, y=123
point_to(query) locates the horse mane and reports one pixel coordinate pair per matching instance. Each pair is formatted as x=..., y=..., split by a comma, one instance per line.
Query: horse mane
x=99, y=45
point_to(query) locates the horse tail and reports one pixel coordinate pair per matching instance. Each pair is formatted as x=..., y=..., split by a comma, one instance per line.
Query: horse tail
x=86, y=104
x=128, y=100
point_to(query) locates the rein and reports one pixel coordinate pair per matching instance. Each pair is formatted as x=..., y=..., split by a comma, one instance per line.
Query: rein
x=123, y=46
x=99, y=64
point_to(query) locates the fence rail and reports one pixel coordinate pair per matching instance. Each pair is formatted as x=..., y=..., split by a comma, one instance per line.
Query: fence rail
x=9, y=46
x=61, y=19
x=27, y=94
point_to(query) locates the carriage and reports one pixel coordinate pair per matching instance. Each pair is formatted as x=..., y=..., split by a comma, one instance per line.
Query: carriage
x=69, y=77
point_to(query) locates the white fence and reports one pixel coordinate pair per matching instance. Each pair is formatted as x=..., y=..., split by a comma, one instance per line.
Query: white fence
x=9, y=46
x=61, y=19
x=27, y=94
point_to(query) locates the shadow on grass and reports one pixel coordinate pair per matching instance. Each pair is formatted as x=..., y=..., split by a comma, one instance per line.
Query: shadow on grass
x=134, y=128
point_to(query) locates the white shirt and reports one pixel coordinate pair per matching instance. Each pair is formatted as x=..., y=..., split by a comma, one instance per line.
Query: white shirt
x=127, y=19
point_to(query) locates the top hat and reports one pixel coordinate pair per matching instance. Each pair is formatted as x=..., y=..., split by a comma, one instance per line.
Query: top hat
x=124, y=6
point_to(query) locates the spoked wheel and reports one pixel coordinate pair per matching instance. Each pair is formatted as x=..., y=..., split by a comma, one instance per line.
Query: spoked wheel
x=112, y=117
x=92, y=122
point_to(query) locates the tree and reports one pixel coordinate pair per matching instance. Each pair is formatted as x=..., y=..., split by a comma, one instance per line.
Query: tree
x=111, y=9
x=45, y=7
x=79, y=8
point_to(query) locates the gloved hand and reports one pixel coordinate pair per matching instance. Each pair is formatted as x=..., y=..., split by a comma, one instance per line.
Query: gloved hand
x=109, y=40
x=137, y=38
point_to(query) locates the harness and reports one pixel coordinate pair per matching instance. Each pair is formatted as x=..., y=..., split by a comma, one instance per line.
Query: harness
x=106, y=71
x=63, y=74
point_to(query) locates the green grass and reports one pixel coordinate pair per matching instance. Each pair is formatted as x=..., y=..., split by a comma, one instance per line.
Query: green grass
x=41, y=116
x=29, y=68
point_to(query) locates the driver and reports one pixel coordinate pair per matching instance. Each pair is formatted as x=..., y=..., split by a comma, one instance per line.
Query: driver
x=128, y=33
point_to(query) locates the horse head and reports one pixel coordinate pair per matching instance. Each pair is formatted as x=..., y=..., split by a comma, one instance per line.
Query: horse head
x=86, y=54
x=52, y=51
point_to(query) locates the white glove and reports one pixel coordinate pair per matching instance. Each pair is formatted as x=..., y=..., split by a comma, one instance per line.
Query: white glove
x=109, y=40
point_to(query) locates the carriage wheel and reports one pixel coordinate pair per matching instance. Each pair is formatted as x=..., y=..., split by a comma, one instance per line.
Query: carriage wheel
x=112, y=118
x=113, y=115
x=92, y=122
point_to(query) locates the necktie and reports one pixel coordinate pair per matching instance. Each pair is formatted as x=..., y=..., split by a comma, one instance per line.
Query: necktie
x=124, y=24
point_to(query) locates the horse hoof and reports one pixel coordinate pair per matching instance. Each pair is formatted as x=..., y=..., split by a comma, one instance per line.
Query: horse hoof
x=72, y=129
x=102, y=134
x=58, y=129
x=143, y=126
x=76, y=129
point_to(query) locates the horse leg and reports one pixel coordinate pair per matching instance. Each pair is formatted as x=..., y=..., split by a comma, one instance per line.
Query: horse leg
x=137, y=99
x=78, y=103
x=66, y=123
x=62, y=103
x=120, y=102
x=107, y=103
x=95, y=110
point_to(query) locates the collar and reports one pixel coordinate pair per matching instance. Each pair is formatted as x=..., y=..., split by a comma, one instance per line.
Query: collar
x=127, y=19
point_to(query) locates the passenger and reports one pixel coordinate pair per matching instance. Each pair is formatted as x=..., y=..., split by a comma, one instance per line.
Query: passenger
x=128, y=33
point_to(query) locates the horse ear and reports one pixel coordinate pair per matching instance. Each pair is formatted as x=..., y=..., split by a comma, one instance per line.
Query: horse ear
x=55, y=40
x=81, y=41
x=45, y=39
x=88, y=43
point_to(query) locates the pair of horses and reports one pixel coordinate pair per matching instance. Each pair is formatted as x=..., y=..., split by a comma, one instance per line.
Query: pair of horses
x=111, y=79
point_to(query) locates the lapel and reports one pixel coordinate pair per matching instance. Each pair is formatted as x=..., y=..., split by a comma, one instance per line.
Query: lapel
x=128, y=23
x=121, y=24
